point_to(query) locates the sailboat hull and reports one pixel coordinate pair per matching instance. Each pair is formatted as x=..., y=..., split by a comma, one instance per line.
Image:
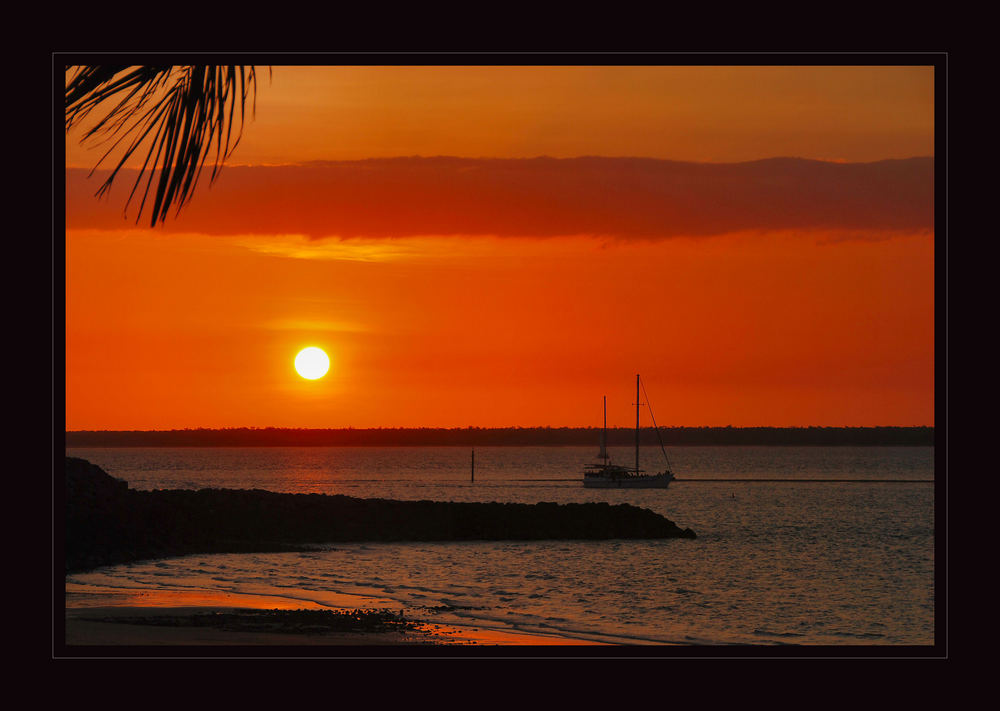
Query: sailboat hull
x=633, y=481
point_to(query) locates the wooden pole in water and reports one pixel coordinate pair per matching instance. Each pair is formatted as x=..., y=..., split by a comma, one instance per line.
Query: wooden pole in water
x=473, y=466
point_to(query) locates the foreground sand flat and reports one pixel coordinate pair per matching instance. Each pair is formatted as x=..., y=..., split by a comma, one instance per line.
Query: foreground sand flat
x=82, y=630
x=115, y=618
x=86, y=632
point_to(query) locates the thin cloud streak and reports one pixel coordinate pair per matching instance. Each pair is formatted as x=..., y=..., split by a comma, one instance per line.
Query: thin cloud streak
x=304, y=247
x=622, y=198
x=317, y=326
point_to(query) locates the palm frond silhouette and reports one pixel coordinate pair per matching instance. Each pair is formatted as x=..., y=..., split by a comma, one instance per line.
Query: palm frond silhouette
x=184, y=111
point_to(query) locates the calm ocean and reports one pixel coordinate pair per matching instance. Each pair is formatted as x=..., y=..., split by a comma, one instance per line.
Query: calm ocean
x=796, y=545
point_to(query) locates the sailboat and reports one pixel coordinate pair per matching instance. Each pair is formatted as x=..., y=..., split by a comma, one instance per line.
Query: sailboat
x=606, y=475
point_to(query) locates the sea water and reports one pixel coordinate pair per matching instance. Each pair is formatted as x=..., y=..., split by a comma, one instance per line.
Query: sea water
x=796, y=545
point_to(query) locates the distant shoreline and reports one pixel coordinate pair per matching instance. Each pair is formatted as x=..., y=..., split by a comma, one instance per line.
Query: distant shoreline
x=503, y=437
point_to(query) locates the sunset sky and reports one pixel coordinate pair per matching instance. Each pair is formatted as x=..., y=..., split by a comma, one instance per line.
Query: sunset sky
x=502, y=246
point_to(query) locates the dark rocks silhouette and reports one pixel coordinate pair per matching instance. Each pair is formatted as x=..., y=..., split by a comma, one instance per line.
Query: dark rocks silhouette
x=108, y=523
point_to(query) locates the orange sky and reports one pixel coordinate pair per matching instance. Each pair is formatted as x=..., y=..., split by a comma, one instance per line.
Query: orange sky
x=492, y=290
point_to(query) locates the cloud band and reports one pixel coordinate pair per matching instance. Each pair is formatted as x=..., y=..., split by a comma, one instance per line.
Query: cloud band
x=539, y=197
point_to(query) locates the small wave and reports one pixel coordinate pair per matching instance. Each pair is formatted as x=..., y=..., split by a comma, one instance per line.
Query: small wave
x=771, y=633
x=858, y=635
x=450, y=608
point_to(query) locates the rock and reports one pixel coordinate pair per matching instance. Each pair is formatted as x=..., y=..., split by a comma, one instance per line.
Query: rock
x=108, y=523
x=84, y=479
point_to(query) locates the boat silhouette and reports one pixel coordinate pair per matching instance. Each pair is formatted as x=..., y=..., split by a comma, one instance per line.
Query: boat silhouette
x=605, y=475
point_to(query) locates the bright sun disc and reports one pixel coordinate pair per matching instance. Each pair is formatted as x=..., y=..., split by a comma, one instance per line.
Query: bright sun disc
x=312, y=363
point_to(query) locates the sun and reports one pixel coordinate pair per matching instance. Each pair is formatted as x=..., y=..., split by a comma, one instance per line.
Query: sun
x=312, y=363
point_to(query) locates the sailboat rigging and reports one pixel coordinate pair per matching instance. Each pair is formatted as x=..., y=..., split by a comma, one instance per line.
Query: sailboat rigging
x=607, y=475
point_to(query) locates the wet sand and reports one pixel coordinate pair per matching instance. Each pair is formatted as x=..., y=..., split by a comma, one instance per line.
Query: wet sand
x=111, y=618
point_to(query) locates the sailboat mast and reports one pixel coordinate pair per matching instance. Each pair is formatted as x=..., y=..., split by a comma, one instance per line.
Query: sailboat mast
x=636, y=423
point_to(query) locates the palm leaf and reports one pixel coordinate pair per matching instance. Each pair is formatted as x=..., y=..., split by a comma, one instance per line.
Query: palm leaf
x=179, y=113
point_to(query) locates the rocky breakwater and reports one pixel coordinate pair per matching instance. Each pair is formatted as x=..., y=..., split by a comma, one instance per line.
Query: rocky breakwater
x=109, y=523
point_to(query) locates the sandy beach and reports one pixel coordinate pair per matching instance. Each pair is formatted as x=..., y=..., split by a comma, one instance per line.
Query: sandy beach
x=143, y=618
